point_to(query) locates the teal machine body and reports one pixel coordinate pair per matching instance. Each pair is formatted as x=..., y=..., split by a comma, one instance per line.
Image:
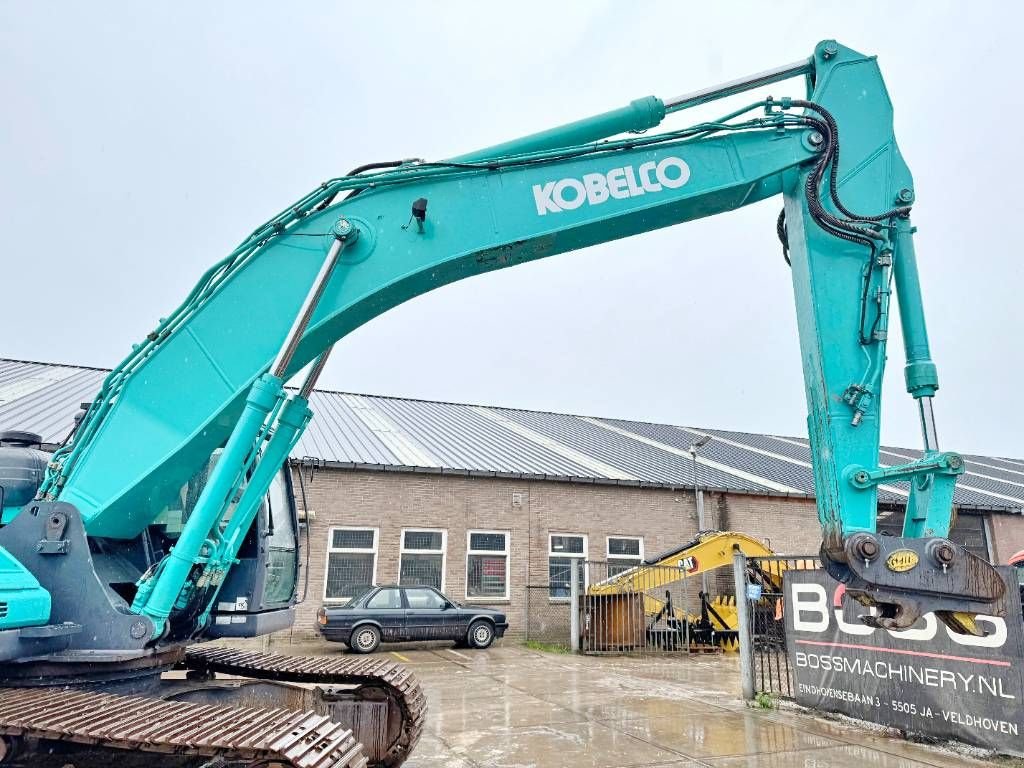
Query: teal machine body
x=210, y=377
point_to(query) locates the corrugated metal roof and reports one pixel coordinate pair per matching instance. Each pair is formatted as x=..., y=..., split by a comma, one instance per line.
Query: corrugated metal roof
x=44, y=398
x=353, y=430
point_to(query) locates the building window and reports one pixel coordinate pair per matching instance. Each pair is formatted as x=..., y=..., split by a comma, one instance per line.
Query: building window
x=421, y=561
x=624, y=552
x=562, y=550
x=487, y=565
x=351, y=562
x=968, y=531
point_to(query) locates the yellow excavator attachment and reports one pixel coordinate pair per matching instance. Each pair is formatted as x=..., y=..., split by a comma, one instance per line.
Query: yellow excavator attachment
x=709, y=551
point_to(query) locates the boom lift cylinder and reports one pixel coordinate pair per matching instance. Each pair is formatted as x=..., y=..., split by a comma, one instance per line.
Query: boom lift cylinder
x=295, y=415
x=158, y=592
x=173, y=580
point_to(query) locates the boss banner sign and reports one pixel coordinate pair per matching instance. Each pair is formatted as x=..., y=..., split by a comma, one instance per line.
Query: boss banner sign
x=926, y=680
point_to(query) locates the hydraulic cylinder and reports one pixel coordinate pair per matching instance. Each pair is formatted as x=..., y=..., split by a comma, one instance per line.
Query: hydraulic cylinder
x=158, y=600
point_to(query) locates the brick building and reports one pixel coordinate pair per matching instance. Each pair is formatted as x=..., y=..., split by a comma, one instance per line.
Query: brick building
x=499, y=536
x=492, y=504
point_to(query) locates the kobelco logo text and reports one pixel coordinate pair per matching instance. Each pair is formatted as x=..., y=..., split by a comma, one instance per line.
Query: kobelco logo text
x=620, y=183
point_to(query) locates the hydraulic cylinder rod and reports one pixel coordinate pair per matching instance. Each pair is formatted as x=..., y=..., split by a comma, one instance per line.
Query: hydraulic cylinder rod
x=157, y=596
x=291, y=423
x=740, y=85
x=314, y=374
x=344, y=233
x=928, y=430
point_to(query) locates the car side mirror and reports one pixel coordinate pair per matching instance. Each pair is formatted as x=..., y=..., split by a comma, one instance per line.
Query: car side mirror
x=446, y=606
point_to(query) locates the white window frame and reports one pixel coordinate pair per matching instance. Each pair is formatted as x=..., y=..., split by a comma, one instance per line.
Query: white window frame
x=608, y=549
x=443, y=552
x=508, y=560
x=331, y=549
x=581, y=556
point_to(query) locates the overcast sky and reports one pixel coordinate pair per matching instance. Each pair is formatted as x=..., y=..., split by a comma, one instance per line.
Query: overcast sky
x=140, y=142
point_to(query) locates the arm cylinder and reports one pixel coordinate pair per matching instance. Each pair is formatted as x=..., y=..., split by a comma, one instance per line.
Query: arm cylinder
x=640, y=115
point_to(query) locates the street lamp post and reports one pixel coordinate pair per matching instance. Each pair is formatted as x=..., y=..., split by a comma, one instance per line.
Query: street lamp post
x=698, y=496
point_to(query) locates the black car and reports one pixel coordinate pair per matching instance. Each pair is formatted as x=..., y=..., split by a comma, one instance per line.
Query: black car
x=391, y=614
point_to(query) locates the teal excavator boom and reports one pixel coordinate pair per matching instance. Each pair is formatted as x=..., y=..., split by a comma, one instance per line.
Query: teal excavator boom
x=211, y=375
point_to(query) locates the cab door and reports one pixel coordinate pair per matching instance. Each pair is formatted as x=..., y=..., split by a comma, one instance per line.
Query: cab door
x=427, y=616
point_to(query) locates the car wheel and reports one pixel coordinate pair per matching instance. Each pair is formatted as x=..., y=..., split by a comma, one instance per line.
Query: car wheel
x=365, y=639
x=481, y=634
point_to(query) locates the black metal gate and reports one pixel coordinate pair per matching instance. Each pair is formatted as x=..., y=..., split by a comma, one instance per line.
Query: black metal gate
x=649, y=610
x=765, y=646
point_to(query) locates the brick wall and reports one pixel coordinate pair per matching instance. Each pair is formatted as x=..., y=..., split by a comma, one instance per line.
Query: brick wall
x=530, y=511
x=1007, y=536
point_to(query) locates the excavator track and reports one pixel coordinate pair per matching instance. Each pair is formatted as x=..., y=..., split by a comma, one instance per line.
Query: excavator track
x=396, y=682
x=367, y=712
x=236, y=735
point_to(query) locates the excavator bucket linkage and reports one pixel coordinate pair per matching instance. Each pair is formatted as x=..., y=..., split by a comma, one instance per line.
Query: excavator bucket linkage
x=903, y=579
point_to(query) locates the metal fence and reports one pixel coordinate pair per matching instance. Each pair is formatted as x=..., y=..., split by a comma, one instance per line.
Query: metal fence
x=764, y=661
x=648, y=610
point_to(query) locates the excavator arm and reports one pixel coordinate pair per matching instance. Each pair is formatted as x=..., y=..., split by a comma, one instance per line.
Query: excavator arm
x=710, y=550
x=212, y=372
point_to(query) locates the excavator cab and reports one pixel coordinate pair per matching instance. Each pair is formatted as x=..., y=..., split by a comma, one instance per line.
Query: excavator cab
x=258, y=595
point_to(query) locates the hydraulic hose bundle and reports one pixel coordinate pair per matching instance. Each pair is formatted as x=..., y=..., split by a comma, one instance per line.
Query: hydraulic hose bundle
x=848, y=228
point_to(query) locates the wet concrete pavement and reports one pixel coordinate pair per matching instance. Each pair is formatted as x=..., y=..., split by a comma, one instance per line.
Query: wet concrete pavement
x=512, y=707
